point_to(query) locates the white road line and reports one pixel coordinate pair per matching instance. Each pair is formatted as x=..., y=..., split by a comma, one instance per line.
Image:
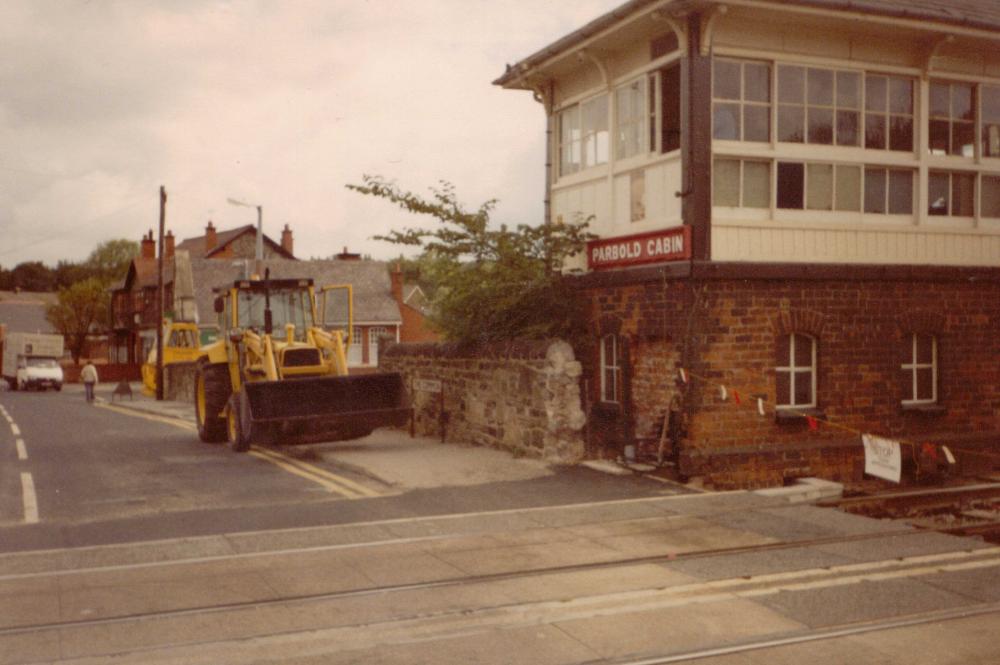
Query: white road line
x=30, y=500
x=22, y=452
x=15, y=429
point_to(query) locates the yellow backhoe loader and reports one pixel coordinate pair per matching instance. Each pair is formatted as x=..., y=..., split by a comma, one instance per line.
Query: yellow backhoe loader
x=278, y=373
x=180, y=345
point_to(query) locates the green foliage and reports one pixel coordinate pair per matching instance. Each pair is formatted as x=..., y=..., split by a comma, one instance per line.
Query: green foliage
x=81, y=308
x=32, y=276
x=108, y=263
x=493, y=284
x=110, y=260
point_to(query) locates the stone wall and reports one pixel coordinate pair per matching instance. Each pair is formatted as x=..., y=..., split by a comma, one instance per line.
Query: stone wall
x=522, y=397
x=178, y=382
x=725, y=331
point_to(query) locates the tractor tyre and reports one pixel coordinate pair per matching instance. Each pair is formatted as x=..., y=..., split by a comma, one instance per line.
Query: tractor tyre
x=238, y=423
x=212, y=388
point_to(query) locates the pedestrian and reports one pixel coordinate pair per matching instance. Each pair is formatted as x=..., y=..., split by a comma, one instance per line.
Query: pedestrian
x=89, y=377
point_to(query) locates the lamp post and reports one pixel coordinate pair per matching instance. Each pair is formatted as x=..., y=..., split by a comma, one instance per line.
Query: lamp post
x=260, y=232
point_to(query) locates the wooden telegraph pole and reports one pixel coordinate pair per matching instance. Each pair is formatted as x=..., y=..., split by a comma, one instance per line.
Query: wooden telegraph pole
x=159, y=299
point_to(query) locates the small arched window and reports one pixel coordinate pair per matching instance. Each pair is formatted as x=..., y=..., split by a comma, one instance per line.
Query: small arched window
x=796, y=371
x=611, y=370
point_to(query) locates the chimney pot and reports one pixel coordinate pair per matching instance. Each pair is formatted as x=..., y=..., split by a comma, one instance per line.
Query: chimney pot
x=168, y=245
x=211, y=239
x=147, y=246
x=286, y=240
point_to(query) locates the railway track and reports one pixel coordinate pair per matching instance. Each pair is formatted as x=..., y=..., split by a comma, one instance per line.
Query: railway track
x=362, y=617
x=968, y=510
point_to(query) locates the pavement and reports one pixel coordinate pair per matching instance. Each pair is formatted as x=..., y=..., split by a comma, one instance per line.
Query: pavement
x=397, y=460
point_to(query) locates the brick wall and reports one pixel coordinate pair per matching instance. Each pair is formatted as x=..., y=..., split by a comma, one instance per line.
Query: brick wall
x=726, y=332
x=523, y=397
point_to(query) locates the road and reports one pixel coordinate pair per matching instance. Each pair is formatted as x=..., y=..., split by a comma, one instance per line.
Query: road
x=521, y=564
x=73, y=474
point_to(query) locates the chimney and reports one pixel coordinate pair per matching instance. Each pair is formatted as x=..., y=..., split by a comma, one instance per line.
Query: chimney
x=347, y=256
x=397, y=284
x=211, y=240
x=148, y=246
x=168, y=245
x=286, y=240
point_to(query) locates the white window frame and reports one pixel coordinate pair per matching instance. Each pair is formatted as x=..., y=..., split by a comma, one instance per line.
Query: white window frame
x=951, y=207
x=610, y=365
x=888, y=115
x=792, y=370
x=576, y=145
x=636, y=124
x=913, y=366
x=834, y=106
x=743, y=102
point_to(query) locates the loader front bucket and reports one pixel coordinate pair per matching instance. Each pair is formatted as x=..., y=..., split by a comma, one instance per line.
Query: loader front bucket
x=310, y=410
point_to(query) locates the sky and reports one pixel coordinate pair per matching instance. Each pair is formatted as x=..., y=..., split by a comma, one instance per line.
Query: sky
x=278, y=104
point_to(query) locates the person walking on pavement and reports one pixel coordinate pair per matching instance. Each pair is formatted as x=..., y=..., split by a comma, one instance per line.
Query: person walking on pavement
x=89, y=377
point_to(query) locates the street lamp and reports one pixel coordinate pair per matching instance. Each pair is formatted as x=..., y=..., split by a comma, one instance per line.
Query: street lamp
x=260, y=231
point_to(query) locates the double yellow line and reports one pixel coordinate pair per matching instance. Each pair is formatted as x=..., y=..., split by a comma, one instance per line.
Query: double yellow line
x=329, y=481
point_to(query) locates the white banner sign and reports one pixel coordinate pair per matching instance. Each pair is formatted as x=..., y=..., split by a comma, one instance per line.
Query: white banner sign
x=882, y=458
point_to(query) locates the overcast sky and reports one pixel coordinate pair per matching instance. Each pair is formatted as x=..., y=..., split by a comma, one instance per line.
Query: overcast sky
x=276, y=103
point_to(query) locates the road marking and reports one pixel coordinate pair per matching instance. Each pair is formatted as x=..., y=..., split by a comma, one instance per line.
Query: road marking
x=148, y=416
x=341, y=480
x=22, y=452
x=15, y=429
x=30, y=500
x=331, y=481
x=304, y=471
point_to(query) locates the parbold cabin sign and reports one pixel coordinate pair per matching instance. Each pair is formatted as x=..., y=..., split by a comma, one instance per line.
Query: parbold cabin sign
x=673, y=244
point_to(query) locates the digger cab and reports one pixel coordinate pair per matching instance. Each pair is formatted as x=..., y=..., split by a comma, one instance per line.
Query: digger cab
x=288, y=371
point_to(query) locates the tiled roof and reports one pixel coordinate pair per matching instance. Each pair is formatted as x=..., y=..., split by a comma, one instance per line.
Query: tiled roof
x=196, y=246
x=983, y=14
x=25, y=312
x=978, y=14
x=373, y=301
x=146, y=272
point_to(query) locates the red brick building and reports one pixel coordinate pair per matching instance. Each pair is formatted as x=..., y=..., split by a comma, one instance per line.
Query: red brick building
x=798, y=204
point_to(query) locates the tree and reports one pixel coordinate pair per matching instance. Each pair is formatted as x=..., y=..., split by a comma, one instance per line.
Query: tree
x=33, y=276
x=493, y=283
x=68, y=273
x=110, y=260
x=81, y=309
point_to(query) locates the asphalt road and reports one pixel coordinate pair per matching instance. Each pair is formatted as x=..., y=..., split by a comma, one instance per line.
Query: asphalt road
x=124, y=538
x=73, y=474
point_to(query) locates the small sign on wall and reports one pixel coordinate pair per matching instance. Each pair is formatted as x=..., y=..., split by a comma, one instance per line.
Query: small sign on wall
x=673, y=244
x=882, y=458
x=427, y=385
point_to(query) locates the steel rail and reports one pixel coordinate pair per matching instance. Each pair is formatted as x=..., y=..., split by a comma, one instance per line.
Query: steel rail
x=829, y=633
x=472, y=579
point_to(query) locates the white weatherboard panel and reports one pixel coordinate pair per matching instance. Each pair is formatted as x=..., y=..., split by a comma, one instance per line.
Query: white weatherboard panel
x=853, y=245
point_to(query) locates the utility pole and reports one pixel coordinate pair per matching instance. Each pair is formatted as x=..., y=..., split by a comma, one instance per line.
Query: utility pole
x=159, y=299
x=259, y=258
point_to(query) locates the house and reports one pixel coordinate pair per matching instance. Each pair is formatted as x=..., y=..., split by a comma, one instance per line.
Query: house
x=134, y=303
x=195, y=268
x=413, y=310
x=376, y=311
x=797, y=203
